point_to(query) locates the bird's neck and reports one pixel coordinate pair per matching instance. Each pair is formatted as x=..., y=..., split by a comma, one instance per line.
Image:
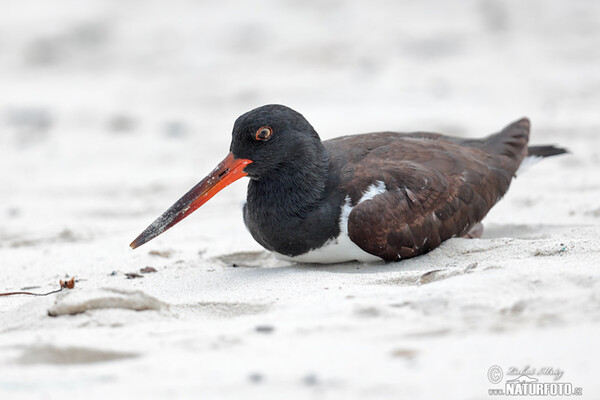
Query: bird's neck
x=288, y=211
x=294, y=186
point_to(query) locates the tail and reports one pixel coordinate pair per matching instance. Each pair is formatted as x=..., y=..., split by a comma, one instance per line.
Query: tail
x=545, y=151
x=510, y=141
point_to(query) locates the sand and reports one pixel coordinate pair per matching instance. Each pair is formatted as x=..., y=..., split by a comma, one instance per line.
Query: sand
x=112, y=110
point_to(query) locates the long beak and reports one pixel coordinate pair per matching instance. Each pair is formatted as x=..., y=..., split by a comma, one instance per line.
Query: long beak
x=229, y=170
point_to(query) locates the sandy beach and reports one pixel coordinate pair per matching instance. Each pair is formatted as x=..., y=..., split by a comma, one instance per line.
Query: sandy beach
x=110, y=111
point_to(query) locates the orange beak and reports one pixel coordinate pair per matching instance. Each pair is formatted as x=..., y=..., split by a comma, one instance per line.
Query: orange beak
x=229, y=170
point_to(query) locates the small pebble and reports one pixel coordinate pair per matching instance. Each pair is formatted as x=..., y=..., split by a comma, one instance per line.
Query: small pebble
x=122, y=123
x=264, y=329
x=13, y=212
x=404, y=353
x=175, y=129
x=310, y=380
x=159, y=253
x=256, y=377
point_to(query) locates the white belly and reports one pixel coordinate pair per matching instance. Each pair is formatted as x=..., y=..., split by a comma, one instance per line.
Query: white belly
x=340, y=249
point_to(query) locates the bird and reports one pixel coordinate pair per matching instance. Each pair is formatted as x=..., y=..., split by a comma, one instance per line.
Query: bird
x=368, y=197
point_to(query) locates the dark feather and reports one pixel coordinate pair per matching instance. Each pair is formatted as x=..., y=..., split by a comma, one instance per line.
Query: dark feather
x=437, y=186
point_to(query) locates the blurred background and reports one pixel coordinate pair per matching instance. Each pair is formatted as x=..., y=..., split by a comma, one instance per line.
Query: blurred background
x=109, y=110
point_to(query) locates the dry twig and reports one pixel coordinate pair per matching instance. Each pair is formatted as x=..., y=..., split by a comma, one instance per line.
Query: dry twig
x=70, y=284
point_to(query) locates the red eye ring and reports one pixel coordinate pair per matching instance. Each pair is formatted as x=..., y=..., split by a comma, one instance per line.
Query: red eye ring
x=264, y=133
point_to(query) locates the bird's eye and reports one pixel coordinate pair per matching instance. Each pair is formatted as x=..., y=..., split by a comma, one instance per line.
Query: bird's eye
x=264, y=133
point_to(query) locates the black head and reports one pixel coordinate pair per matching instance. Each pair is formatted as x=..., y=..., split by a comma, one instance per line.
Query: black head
x=272, y=136
x=270, y=141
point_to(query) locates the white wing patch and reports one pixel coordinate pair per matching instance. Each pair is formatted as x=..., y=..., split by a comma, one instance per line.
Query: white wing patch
x=341, y=249
x=372, y=191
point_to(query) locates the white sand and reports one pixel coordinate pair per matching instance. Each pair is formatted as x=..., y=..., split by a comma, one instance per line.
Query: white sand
x=112, y=110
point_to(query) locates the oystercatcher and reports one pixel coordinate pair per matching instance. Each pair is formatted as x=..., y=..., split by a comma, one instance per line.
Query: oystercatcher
x=374, y=196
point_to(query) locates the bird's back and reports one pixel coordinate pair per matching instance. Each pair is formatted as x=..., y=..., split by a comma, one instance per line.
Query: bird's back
x=436, y=186
x=366, y=156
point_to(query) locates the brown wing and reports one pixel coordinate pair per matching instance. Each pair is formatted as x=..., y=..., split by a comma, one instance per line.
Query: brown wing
x=437, y=188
